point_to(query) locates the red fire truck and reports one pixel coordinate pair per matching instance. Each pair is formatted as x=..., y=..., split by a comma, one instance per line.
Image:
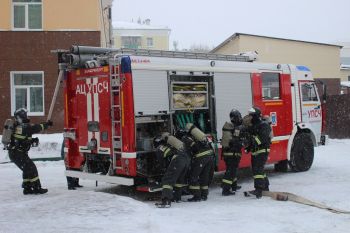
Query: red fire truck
x=117, y=101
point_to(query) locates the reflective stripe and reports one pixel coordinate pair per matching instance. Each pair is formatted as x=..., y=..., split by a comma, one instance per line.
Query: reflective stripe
x=204, y=187
x=174, y=157
x=166, y=152
x=257, y=140
x=227, y=181
x=31, y=180
x=207, y=152
x=232, y=154
x=259, y=176
x=228, y=153
x=21, y=136
x=167, y=187
x=194, y=187
x=180, y=185
x=235, y=180
x=261, y=151
x=42, y=126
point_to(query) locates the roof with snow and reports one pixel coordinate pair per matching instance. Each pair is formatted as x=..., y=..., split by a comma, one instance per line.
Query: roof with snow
x=237, y=34
x=136, y=26
x=345, y=83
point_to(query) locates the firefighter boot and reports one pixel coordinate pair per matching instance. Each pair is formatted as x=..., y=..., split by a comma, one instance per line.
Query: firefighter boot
x=204, y=194
x=235, y=187
x=257, y=192
x=177, y=195
x=166, y=203
x=27, y=189
x=226, y=190
x=267, y=184
x=71, y=183
x=76, y=183
x=194, y=199
x=39, y=190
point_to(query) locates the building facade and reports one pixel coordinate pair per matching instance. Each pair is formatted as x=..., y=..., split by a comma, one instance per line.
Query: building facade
x=345, y=62
x=140, y=35
x=29, y=31
x=322, y=59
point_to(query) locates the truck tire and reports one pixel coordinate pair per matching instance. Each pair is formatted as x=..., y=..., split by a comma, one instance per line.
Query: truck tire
x=281, y=166
x=302, y=154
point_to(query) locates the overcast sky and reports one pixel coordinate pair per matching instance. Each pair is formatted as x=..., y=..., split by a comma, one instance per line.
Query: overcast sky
x=204, y=22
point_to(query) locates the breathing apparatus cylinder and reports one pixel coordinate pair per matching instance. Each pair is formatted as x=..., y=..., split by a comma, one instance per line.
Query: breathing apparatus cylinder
x=174, y=142
x=196, y=133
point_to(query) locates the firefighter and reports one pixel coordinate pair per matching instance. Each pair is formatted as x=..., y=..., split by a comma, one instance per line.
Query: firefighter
x=232, y=143
x=173, y=181
x=21, y=141
x=260, y=140
x=202, y=163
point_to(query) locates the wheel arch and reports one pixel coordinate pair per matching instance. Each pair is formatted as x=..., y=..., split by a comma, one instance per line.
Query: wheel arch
x=300, y=129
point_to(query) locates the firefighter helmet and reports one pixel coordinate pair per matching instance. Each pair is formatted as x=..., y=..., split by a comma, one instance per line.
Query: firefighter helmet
x=157, y=141
x=21, y=115
x=236, y=117
x=255, y=112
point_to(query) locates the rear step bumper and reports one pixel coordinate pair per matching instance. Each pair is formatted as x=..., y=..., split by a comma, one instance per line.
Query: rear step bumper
x=103, y=178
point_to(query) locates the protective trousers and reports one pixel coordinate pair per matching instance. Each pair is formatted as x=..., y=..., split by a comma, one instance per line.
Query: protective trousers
x=258, y=161
x=174, y=177
x=30, y=172
x=230, y=177
x=200, y=176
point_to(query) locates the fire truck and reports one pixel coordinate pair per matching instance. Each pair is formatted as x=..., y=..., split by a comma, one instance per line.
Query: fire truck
x=118, y=101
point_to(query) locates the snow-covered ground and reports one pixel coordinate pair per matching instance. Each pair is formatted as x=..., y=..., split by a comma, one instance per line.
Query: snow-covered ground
x=100, y=209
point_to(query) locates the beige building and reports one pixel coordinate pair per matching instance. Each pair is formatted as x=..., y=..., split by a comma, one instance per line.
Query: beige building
x=140, y=35
x=322, y=59
x=345, y=62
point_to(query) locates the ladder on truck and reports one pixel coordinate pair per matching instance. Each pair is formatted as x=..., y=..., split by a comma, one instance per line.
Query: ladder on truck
x=116, y=111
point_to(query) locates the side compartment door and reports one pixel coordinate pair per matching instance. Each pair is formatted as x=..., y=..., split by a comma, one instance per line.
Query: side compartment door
x=311, y=112
x=272, y=93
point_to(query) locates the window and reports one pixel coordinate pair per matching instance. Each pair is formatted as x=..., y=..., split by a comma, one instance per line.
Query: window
x=27, y=14
x=27, y=91
x=348, y=78
x=308, y=92
x=131, y=42
x=270, y=86
x=149, y=42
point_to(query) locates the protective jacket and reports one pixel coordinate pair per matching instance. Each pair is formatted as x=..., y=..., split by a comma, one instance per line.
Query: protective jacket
x=21, y=142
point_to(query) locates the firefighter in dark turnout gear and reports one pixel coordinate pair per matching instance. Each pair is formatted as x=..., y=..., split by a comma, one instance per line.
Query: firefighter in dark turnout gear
x=173, y=181
x=232, y=144
x=260, y=141
x=21, y=141
x=202, y=163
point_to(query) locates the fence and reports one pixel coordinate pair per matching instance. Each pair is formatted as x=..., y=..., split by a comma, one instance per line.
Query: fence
x=338, y=116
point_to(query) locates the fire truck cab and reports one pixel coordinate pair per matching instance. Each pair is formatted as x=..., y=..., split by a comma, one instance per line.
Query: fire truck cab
x=118, y=101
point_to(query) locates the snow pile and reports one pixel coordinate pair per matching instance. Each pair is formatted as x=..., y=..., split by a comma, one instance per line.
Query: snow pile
x=49, y=147
x=100, y=209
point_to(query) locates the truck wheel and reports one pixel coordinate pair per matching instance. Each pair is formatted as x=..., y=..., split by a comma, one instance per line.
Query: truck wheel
x=302, y=154
x=281, y=166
